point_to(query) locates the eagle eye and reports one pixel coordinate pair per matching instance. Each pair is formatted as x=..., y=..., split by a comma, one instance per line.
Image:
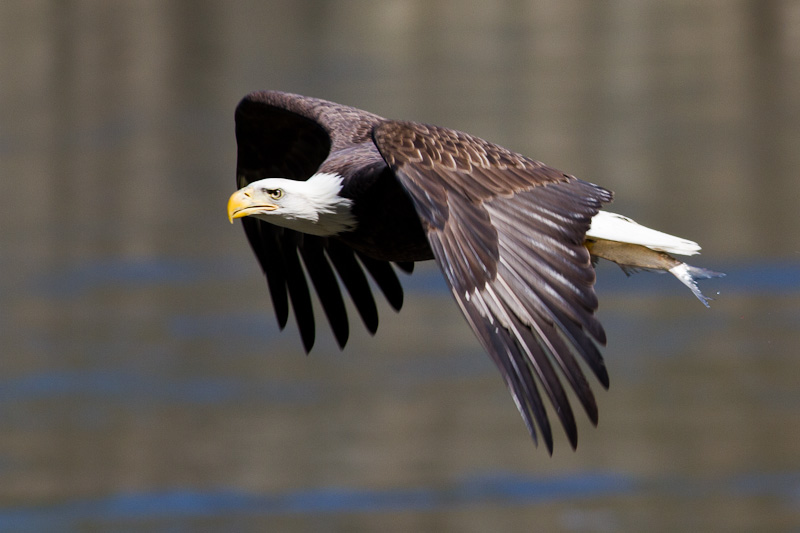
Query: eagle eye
x=275, y=194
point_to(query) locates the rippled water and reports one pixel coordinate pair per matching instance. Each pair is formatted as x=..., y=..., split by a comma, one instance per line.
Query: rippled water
x=144, y=384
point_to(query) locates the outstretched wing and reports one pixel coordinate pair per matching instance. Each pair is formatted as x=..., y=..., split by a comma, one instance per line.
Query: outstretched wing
x=290, y=136
x=508, y=234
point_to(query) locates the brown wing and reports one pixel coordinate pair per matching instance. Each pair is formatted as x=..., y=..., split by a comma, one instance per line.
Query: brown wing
x=508, y=234
x=290, y=136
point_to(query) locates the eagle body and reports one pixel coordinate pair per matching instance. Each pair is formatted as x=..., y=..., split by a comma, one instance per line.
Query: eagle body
x=332, y=194
x=388, y=227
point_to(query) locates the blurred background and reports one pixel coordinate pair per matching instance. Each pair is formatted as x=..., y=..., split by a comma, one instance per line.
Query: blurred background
x=144, y=385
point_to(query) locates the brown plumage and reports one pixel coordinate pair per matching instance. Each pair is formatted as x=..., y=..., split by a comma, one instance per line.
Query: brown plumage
x=507, y=232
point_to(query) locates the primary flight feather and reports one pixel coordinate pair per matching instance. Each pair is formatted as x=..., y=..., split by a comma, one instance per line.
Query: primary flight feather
x=349, y=193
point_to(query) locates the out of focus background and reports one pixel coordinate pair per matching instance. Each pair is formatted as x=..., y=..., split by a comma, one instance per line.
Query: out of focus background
x=144, y=385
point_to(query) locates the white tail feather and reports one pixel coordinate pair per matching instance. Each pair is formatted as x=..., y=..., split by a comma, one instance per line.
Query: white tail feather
x=613, y=227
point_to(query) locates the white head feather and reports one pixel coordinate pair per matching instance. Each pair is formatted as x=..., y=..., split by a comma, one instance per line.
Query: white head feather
x=312, y=206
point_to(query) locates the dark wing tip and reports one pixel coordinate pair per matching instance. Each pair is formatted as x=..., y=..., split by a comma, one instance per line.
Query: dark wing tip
x=386, y=278
x=307, y=336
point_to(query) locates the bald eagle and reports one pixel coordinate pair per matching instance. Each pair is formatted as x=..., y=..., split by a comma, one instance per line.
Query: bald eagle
x=348, y=192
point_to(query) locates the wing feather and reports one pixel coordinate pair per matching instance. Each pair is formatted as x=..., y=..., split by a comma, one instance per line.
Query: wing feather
x=326, y=286
x=354, y=280
x=262, y=241
x=501, y=346
x=297, y=287
x=545, y=325
x=508, y=234
x=386, y=279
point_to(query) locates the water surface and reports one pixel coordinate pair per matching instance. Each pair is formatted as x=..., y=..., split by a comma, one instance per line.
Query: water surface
x=144, y=384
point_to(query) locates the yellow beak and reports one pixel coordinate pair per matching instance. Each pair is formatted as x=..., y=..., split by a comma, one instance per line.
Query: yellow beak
x=240, y=204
